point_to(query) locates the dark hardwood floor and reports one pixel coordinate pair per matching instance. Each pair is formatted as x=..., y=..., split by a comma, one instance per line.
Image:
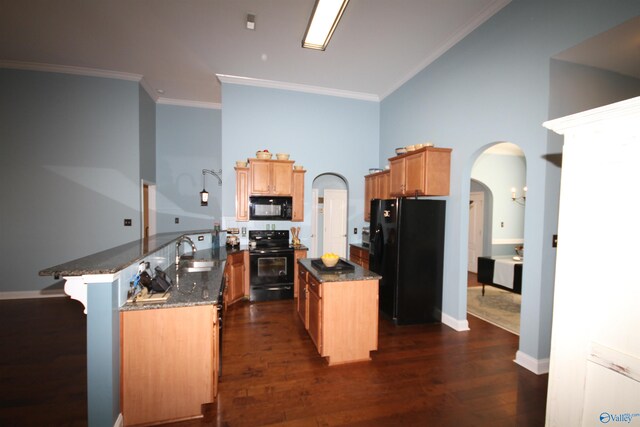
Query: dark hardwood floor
x=426, y=375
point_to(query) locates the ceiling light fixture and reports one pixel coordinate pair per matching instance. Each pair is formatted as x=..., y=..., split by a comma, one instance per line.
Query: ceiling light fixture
x=324, y=20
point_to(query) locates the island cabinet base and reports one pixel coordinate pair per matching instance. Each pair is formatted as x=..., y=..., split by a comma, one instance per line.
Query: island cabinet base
x=340, y=316
x=169, y=363
x=349, y=321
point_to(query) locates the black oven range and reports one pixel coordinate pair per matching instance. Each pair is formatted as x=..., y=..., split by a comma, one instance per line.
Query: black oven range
x=270, y=265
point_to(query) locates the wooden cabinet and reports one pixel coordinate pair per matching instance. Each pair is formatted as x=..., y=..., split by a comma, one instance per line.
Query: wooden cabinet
x=341, y=317
x=242, y=194
x=359, y=255
x=169, y=363
x=314, y=318
x=298, y=196
x=234, y=271
x=424, y=172
x=302, y=297
x=376, y=186
x=271, y=177
x=297, y=254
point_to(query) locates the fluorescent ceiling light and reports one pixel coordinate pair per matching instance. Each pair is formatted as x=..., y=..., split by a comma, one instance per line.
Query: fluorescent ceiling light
x=324, y=19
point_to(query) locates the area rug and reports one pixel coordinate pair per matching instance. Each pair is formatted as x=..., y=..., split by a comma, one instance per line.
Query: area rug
x=499, y=307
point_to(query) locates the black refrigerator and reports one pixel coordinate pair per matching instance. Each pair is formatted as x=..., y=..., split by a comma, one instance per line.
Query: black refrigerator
x=407, y=250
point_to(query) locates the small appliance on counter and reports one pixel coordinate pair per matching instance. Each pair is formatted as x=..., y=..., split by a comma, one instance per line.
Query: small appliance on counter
x=232, y=237
x=365, y=237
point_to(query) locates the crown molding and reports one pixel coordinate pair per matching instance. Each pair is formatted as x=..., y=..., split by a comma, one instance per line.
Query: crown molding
x=67, y=69
x=151, y=91
x=271, y=84
x=629, y=109
x=464, y=31
x=188, y=103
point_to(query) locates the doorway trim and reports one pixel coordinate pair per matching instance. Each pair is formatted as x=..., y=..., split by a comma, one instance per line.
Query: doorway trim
x=148, y=211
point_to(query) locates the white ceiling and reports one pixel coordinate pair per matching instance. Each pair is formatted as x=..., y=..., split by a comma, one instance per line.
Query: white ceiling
x=179, y=46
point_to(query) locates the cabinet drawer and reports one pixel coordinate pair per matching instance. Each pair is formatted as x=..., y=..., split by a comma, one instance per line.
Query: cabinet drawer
x=315, y=286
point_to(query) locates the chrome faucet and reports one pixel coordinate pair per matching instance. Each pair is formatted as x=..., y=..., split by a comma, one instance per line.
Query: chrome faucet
x=178, y=244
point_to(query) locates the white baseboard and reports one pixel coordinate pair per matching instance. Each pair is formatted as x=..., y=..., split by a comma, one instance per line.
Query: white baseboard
x=32, y=294
x=119, y=421
x=537, y=366
x=455, y=324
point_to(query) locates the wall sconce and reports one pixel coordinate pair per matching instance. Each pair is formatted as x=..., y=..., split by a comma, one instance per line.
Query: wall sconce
x=204, y=195
x=519, y=200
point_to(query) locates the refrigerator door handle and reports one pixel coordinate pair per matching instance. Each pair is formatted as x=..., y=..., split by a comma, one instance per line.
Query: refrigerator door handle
x=378, y=242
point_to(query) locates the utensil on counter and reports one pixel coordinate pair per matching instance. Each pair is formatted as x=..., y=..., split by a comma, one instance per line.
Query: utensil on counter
x=295, y=236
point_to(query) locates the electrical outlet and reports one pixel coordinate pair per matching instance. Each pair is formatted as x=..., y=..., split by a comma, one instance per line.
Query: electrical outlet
x=355, y=230
x=177, y=220
x=244, y=231
x=502, y=224
x=127, y=222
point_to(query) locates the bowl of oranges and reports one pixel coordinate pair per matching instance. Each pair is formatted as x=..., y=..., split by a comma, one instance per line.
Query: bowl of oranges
x=330, y=259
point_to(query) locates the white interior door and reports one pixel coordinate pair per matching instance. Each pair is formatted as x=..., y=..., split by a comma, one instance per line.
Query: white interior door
x=476, y=229
x=313, y=250
x=335, y=222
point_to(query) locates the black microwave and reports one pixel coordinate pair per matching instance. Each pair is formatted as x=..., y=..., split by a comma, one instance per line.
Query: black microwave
x=270, y=208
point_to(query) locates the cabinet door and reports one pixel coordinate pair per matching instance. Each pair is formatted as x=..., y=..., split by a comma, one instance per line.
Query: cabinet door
x=297, y=254
x=235, y=277
x=383, y=186
x=397, y=177
x=315, y=314
x=281, y=178
x=302, y=297
x=179, y=368
x=260, y=176
x=298, y=196
x=414, y=174
x=242, y=194
x=368, y=196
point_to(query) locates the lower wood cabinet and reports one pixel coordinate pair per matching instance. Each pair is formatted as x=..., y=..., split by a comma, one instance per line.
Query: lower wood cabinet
x=297, y=254
x=315, y=312
x=340, y=317
x=235, y=273
x=302, y=296
x=359, y=255
x=169, y=363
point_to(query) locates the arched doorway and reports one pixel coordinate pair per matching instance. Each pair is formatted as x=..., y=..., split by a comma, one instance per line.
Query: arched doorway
x=330, y=195
x=496, y=228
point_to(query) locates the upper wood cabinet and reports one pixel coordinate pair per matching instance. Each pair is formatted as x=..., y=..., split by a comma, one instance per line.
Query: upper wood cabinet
x=376, y=186
x=298, y=196
x=271, y=177
x=242, y=194
x=424, y=172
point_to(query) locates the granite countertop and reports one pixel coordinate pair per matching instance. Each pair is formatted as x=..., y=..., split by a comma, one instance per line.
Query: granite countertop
x=358, y=273
x=360, y=245
x=115, y=259
x=191, y=288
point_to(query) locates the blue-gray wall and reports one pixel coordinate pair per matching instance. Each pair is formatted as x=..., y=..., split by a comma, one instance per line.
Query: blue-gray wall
x=494, y=86
x=70, y=170
x=188, y=140
x=322, y=133
x=147, y=138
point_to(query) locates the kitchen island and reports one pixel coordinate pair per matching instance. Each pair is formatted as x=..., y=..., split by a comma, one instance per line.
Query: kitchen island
x=102, y=281
x=339, y=310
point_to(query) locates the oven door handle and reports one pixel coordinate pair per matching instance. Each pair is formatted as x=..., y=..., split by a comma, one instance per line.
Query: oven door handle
x=277, y=289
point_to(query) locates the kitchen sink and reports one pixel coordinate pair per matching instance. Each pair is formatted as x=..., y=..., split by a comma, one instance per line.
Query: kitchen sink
x=196, y=269
x=196, y=265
